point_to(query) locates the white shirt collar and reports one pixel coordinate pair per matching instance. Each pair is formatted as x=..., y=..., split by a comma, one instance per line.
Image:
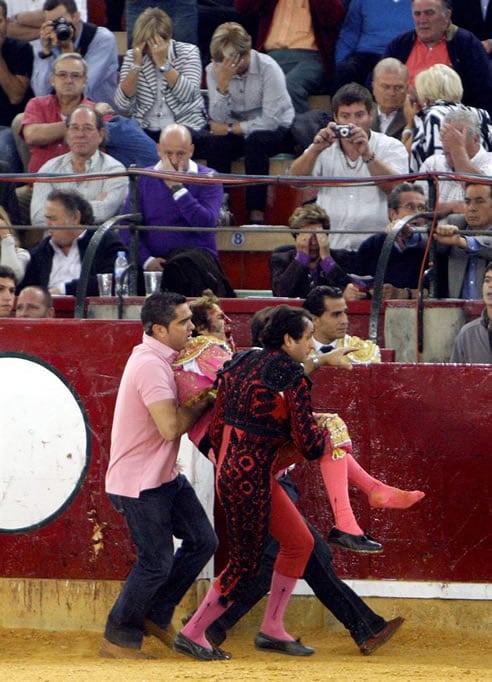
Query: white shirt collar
x=58, y=249
x=317, y=344
x=385, y=120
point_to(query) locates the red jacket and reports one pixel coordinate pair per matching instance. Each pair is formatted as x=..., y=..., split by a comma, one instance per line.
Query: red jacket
x=326, y=17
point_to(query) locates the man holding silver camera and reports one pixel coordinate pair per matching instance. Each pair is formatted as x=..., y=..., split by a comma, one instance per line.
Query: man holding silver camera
x=347, y=148
x=63, y=32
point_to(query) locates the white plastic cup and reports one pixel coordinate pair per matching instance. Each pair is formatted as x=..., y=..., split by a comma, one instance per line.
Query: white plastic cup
x=105, y=283
x=152, y=281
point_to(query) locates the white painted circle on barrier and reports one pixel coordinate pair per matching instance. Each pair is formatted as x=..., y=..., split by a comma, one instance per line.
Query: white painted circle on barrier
x=43, y=444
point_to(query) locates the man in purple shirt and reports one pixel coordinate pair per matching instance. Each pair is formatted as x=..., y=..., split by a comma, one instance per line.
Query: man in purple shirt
x=163, y=201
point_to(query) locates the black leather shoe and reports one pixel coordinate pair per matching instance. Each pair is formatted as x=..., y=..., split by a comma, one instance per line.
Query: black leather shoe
x=282, y=646
x=185, y=645
x=221, y=655
x=373, y=643
x=361, y=544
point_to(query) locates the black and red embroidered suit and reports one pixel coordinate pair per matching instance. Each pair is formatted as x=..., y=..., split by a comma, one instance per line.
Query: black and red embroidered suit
x=263, y=402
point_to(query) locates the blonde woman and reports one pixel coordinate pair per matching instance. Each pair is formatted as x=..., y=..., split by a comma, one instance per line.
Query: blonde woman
x=160, y=78
x=10, y=253
x=439, y=90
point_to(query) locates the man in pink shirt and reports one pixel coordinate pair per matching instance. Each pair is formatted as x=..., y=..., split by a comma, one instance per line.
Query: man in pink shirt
x=144, y=483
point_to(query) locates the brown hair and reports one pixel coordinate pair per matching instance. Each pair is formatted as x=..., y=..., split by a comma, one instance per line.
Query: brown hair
x=232, y=34
x=200, y=308
x=309, y=214
x=153, y=21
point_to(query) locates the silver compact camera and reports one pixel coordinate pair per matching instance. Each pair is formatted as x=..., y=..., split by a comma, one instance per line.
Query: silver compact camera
x=342, y=131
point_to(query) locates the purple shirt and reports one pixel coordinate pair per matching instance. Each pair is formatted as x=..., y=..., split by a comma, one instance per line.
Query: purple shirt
x=199, y=206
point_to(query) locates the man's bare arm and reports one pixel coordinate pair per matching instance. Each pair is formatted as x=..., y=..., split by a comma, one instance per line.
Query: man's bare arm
x=44, y=133
x=26, y=25
x=14, y=85
x=173, y=421
x=304, y=163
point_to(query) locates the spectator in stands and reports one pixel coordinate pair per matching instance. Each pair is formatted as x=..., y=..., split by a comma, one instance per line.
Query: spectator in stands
x=174, y=203
x=34, y=302
x=95, y=43
x=366, y=31
x=15, y=75
x=475, y=16
x=7, y=290
x=160, y=78
x=44, y=122
x=311, y=263
x=348, y=148
x=436, y=40
x=462, y=152
x=250, y=110
x=43, y=125
x=466, y=255
x=298, y=269
x=300, y=37
x=183, y=13
x=402, y=272
x=10, y=253
x=474, y=341
x=439, y=91
x=329, y=310
x=85, y=134
x=56, y=261
x=390, y=88
x=212, y=13
x=26, y=17
x=43, y=128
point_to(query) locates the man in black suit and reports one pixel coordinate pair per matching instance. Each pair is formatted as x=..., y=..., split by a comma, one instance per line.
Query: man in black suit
x=56, y=261
x=389, y=87
x=469, y=14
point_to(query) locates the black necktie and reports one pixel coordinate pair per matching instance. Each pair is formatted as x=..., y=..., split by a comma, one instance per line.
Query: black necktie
x=326, y=349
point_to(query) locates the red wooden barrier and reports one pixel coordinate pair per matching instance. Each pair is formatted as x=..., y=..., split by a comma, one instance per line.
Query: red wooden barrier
x=425, y=426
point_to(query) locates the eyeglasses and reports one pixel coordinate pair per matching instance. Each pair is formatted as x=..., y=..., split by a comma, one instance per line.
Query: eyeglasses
x=412, y=206
x=81, y=129
x=64, y=75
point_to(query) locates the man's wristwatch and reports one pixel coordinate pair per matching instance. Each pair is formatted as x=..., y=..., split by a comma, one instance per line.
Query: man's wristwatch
x=165, y=67
x=176, y=188
x=43, y=55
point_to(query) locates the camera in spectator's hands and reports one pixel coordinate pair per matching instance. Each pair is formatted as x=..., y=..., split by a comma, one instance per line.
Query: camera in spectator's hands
x=342, y=131
x=63, y=29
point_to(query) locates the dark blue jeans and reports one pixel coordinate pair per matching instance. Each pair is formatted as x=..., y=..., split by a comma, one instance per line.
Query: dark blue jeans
x=8, y=151
x=160, y=577
x=361, y=621
x=304, y=74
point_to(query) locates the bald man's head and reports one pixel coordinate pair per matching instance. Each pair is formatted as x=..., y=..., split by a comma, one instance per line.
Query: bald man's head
x=34, y=301
x=176, y=146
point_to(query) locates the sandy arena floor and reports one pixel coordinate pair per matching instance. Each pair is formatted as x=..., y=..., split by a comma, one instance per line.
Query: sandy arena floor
x=43, y=656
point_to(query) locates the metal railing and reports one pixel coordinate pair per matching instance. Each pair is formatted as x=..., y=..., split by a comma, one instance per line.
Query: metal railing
x=88, y=260
x=132, y=219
